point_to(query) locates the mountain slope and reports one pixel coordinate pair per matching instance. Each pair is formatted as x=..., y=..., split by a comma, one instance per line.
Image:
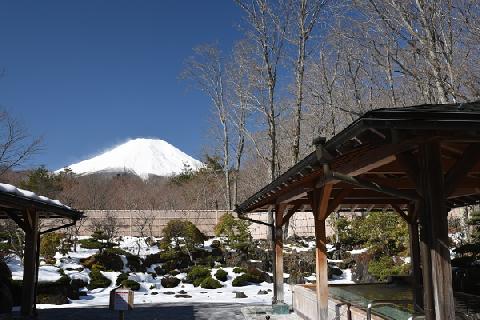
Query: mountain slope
x=141, y=156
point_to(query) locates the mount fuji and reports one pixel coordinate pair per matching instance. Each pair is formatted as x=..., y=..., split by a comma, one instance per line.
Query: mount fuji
x=141, y=156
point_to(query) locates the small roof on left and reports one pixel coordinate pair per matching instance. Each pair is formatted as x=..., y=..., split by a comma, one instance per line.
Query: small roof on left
x=14, y=200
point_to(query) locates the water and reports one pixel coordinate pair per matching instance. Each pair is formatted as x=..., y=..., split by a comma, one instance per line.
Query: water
x=363, y=294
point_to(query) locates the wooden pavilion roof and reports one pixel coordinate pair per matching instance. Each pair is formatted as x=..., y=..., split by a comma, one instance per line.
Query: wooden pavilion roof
x=14, y=205
x=372, y=163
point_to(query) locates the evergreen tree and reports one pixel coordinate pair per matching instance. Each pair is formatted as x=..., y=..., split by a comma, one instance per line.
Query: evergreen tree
x=43, y=182
x=475, y=223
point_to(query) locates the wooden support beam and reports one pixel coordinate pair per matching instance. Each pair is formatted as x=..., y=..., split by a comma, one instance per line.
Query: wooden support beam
x=359, y=182
x=415, y=260
x=400, y=212
x=293, y=195
x=333, y=205
x=279, y=297
x=320, y=200
x=290, y=213
x=14, y=216
x=434, y=221
x=30, y=263
x=460, y=169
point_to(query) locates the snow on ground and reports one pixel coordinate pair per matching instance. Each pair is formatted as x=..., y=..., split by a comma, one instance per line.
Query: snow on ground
x=132, y=245
x=151, y=290
x=45, y=274
x=345, y=278
x=358, y=251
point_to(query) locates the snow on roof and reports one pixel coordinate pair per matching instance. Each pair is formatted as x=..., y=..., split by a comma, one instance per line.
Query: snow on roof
x=8, y=188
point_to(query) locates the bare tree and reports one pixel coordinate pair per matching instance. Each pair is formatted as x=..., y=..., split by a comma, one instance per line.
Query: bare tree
x=307, y=14
x=206, y=69
x=267, y=26
x=240, y=91
x=16, y=146
x=143, y=226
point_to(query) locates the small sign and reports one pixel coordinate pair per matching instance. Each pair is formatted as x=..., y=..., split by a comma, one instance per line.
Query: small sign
x=121, y=299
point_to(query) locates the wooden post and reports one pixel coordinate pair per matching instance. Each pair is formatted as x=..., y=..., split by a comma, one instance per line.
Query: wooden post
x=321, y=270
x=435, y=223
x=319, y=200
x=415, y=257
x=30, y=263
x=278, y=275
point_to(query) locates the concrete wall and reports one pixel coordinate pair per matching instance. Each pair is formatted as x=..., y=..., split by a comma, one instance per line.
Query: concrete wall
x=305, y=306
x=130, y=221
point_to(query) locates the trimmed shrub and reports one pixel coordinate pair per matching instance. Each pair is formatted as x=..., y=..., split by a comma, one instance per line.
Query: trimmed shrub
x=121, y=277
x=170, y=282
x=210, y=283
x=197, y=274
x=109, y=261
x=160, y=271
x=49, y=244
x=384, y=267
x=171, y=259
x=241, y=280
x=239, y=270
x=90, y=244
x=176, y=229
x=97, y=279
x=221, y=275
x=131, y=284
x=135, y=263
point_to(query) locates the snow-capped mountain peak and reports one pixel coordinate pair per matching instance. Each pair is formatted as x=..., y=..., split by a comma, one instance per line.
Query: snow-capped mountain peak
x=142, y=156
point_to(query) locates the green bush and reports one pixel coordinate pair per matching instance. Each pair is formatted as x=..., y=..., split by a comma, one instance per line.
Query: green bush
x=160, y=271
x=241, y=280
x=170, y=282
x=172, y=259
x=176, y=229
x=135, y=263
x=90, y=244
x=131, y=284
x=210, y=283
x=197, y=274
x=117, y=251
x=121, y=277
x=97, y=279
x=239, y=270
x=49, y=244
x=108, y=260
x=221, y=275
x=252, y=275
x=384, y=267
x=236, y=230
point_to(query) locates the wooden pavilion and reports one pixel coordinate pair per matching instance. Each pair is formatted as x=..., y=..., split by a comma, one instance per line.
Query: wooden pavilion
x=418, y=161
x=26, y=209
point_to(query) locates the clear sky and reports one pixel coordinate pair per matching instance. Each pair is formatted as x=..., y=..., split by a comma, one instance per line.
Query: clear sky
x=90, y=74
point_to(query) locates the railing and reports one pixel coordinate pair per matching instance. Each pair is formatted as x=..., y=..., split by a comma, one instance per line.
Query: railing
x=377, y=303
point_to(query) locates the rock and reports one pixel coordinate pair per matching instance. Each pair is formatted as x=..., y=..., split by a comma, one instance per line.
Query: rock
x=182, y=292
x=240, y=295
x=169, y=292
x=182, y=296
x=269, y=290
x=262, y=292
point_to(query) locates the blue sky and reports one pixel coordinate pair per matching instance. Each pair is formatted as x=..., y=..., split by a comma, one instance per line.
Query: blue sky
x=90, y=74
